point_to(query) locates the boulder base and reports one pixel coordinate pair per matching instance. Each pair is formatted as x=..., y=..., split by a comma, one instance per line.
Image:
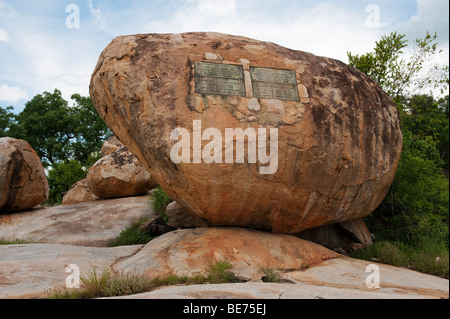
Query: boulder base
x=191, y=251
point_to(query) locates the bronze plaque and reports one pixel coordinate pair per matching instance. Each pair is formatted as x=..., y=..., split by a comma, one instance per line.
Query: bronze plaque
x=274, y=84
x=219, y=79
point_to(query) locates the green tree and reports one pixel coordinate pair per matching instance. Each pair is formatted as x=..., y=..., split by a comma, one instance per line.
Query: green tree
x=416, y=209
x=62, y=176
x=7, y=117
x=66, y=137
x=90, y=129
x=47, y=124
x=427, y=117
x=398, y=72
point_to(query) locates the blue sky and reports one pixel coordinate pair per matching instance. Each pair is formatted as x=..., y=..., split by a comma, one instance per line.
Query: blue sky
x=38, y=52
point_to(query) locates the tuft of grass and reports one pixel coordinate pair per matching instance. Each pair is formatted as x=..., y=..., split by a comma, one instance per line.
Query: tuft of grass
x=422, y=258
x=271, y=275
x=106, y=284
x=15, y=241
x=179, y=280
x=219, y=272
x=132, y=235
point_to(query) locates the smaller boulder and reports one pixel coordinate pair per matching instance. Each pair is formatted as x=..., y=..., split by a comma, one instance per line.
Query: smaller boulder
x=23, y=184
x=111, y=145
x=79, y=193
x=119, y=174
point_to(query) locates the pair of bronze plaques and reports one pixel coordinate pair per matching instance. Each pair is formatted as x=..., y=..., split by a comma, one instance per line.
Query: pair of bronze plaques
x=228, y=79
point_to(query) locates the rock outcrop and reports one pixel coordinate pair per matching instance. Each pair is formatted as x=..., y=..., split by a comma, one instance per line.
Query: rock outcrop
x=37, y=270
x=190, y=251
x=321, y=141
x=79, y=193
x=93, y=224
x=23, y=184
x=338, y=278
x=119, y=174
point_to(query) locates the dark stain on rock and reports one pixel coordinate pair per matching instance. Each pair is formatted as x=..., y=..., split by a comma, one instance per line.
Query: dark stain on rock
x=122, y=157
x=215, y=44
x=15, y=180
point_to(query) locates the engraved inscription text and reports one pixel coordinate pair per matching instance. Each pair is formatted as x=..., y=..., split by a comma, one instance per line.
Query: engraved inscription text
x=274, y=84
x=220, y=79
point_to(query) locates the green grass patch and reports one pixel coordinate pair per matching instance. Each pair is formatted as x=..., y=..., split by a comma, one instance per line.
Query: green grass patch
x=422, y=258
x=15, y=241
x=271, y=275
x=219, y=272
x=108, y=284
x=105, y=284
x=132, y=235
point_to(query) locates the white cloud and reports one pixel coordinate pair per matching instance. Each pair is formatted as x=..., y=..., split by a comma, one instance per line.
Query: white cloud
x=12, y=94
x=217, y=7
x=4, y=35
x=432, y=16
x=325, y=28
x=98, y=15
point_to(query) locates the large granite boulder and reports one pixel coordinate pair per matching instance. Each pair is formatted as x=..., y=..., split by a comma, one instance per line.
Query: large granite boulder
x=23, y=184
x=119, y=174
x=320, y=140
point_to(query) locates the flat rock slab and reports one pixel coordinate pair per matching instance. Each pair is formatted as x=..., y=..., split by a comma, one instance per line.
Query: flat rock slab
x=92, y=224
x=188, y=252
x=339, y=278
x=33, y=270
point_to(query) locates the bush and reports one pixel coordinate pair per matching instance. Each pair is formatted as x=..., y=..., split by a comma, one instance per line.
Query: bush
x=160, y=201
x=422, y=258
x=416, y=208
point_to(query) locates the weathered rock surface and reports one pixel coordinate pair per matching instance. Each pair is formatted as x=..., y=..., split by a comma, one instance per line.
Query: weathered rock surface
x=111, y=145
x=34, y=270
x=23, y=184
x=338, y=148
x=339, y=278
x=79, y=193
x=119, y=174
x=88, y=224
x=190, y=251
x=178, y=217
